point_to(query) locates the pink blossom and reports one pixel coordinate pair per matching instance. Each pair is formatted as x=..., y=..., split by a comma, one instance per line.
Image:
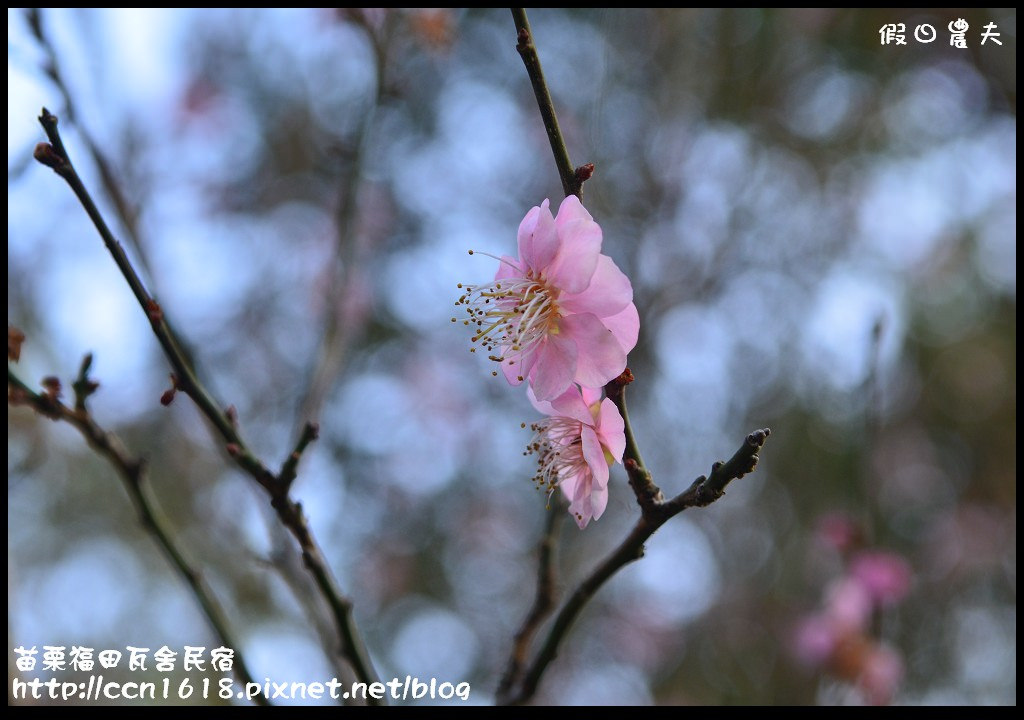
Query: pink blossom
x=838, y=531
x=814, y=639
x=882, y=674
x=582, y=436
x=848, y=604
x=885, y=576
x=560, y=313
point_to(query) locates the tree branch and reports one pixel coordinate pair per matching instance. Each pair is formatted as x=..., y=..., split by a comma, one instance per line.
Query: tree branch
x=703, y=491
x=134, y=475
x=127, y=211
x=543, y=604
x=648, y=495
x=349, y=253
x=572, y=179
x=655, y=509
x=289, y=512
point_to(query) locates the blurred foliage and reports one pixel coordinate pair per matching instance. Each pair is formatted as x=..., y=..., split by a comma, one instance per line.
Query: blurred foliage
x=821, y=232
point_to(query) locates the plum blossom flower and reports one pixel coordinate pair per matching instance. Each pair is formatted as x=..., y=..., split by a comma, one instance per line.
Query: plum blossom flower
x=560, y=313
x=885, y=576
x=582, y=436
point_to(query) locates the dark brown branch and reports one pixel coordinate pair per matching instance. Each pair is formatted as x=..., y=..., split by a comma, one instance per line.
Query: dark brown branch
x=701, y=492
x=310, y=432
x=543, y=604
x=349, y=257
x=655, y=509
x=572, y=179
x=127, y=212
x=289, y=512
x=648, y=495
x=134, y=475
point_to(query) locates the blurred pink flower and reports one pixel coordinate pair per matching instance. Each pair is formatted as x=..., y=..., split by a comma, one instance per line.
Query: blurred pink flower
x=838, y=531
x=814, y=640
x=582, y=436
x=561, y=313
x=885, y=576
x=881, y=674
x=848, y=604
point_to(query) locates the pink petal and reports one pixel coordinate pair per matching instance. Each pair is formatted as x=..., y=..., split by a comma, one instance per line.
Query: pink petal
x=593, y=453
x=589, y=502
x=591, y=396
x=542, y=406
x=600, y=357
x=580, y=505
x=509, y=267
x=573, y=267
x=538, y=239
x=609, y=291
x=611, y=430
x=517, y=365
x=625, y=326
x=571, y=210
x=598, y=501
x=580, y=514
x=570, y=486
x=555, y=366
x=570, y=404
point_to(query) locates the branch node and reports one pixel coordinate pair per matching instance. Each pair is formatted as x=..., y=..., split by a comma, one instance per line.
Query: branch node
x=15, y=338
x=83, y=386
x=168, y=397
x=153, y=311
x=284, y=479
x=48, y=156
x=625, y=378
x=584, y=173
x=51, y=383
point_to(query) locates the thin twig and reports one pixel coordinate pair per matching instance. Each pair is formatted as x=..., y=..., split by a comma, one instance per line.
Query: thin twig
x=543, y=604
x=338, y=331
x=135, y=477
x=572, y=179
x=655, y=510
x=572, y=184
x=289, y=512
x=701, y=492
x=126, y=211
x=648, y=495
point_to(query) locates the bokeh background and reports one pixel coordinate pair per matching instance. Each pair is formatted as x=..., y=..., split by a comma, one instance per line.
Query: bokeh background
x=821, y=234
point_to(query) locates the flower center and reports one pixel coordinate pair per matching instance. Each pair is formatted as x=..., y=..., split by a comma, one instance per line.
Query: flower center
x=511, y=315
x=558, y=445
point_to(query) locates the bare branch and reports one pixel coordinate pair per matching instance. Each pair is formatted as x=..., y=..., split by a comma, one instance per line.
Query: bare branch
x=289, y=512
x=543, y=604
x=349, y=257
x=572, y=179
x=701, y=492
x=134, y=475
x=655, y=510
